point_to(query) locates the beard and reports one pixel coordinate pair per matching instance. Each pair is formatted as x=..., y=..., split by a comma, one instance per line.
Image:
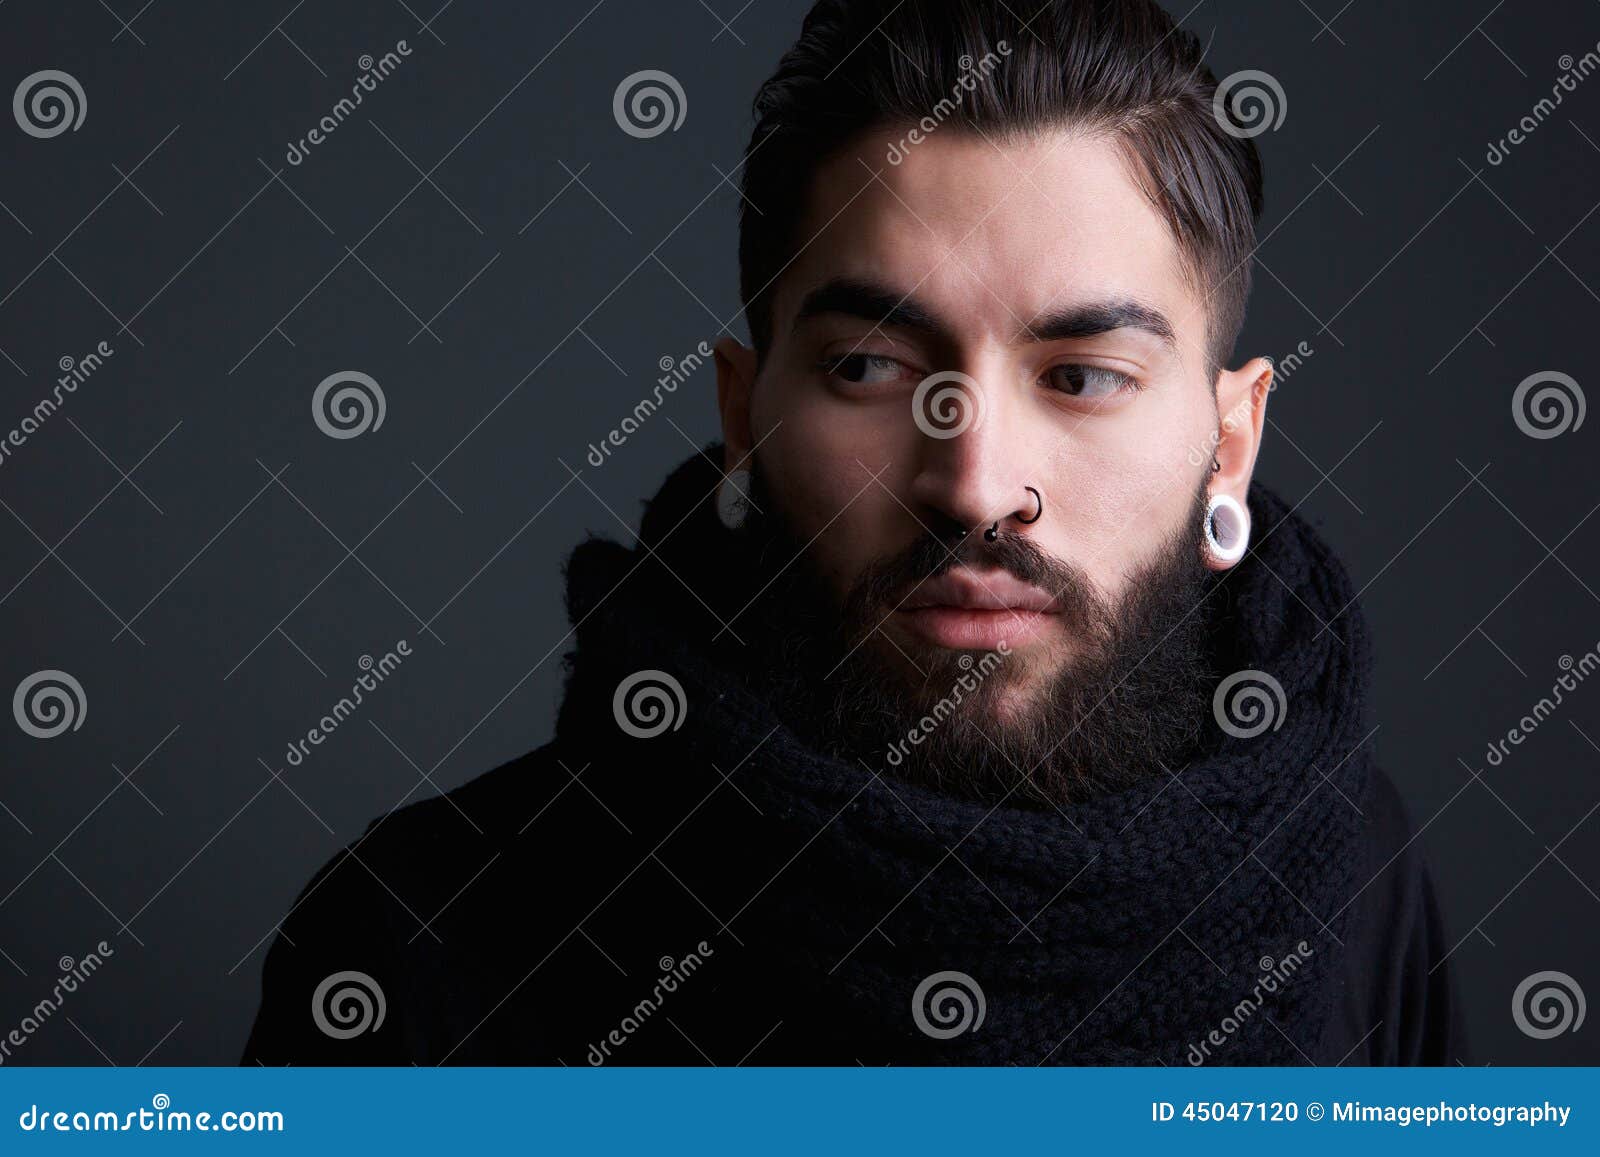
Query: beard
x=1127, y=704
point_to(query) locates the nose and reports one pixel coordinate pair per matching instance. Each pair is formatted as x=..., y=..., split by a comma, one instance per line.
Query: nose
x=970, y=471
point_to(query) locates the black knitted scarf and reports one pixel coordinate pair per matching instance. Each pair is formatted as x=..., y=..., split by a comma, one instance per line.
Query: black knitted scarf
x=1125, y=929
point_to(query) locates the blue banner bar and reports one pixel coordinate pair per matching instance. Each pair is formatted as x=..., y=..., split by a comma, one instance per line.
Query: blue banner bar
x=802, y=1111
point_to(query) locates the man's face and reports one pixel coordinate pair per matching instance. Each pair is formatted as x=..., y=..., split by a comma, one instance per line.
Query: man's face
x=1037, y=269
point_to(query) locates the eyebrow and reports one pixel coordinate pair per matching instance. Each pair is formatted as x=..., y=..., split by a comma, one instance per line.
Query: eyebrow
x=882, y=306
x=869, y=302
x=1089, y=319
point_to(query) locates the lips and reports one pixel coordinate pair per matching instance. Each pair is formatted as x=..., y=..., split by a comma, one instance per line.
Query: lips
x=970, y=610
x=966, y=589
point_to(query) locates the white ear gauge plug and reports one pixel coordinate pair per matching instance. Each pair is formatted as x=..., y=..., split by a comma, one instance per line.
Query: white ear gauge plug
x=733, y=499
x=1227, y=528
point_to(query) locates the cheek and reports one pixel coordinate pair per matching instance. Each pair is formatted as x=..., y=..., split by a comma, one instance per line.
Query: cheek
x=834, y=469
x=1123, y=491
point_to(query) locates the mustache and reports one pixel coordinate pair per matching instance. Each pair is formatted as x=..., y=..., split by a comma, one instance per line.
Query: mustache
x=886, y=583
x=930, y=555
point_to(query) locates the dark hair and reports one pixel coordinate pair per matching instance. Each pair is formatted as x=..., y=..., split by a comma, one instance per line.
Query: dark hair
x=1119, y=66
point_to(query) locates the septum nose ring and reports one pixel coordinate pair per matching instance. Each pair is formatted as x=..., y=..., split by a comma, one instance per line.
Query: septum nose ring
x=993, y=532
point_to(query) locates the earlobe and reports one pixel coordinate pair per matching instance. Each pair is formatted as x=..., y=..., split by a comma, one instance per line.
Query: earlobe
x=1241, y=418
x=736, y=375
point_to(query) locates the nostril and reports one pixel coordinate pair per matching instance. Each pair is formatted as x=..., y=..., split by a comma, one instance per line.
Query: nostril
x=944, y=526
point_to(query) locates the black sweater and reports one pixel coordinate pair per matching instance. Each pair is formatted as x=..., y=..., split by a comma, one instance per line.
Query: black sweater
x=678, y=900
x=513, y=979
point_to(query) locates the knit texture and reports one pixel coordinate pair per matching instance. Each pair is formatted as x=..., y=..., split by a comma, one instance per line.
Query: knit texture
x=1124, y=929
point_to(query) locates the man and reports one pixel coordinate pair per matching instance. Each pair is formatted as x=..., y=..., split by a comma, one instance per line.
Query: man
x=968, y=704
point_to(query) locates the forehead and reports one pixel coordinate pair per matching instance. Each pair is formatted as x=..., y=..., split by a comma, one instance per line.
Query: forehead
x=988, y=231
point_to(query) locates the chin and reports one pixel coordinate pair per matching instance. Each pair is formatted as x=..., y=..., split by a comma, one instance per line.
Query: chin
x=1011, y=704
x=999, y=685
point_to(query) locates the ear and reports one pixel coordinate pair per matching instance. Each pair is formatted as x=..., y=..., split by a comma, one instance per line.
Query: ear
x=1241, y=417
x=736, y=377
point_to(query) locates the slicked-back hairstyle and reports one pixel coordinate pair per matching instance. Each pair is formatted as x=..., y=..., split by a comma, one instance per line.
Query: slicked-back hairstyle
x=1118, y=67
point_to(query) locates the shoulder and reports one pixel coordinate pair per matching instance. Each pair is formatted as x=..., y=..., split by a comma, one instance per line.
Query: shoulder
x=421, y=852
x=492, y=804
x=370, y=917
x=1399, y=1003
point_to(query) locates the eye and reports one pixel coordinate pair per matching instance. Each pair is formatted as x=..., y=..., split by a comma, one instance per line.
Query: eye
x=1084, y=381
x=865, y=369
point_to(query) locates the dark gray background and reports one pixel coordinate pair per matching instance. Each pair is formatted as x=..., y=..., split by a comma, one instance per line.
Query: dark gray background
x=184, y=540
